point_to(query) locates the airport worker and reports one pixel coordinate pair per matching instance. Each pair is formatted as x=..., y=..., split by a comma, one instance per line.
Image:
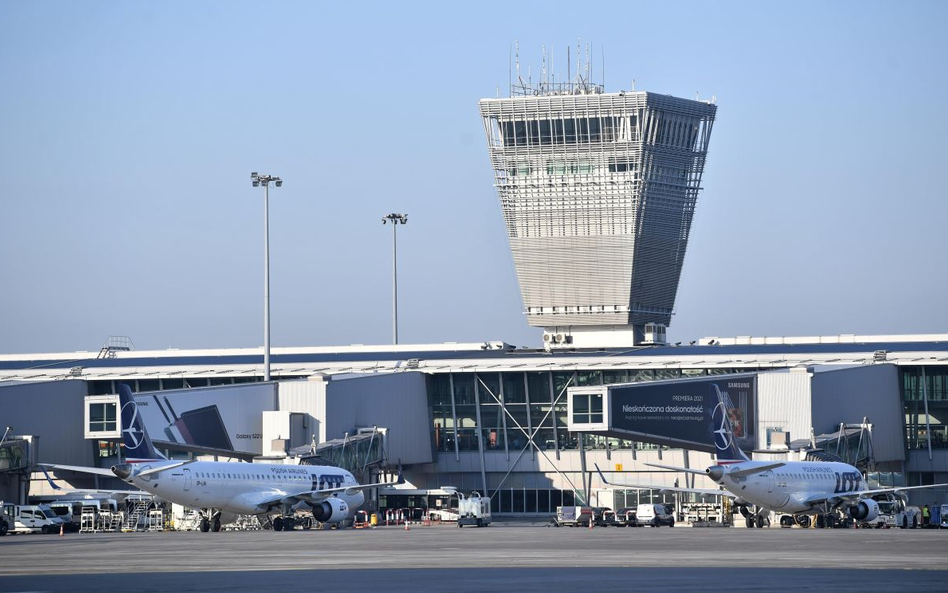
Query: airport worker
x=926, y=516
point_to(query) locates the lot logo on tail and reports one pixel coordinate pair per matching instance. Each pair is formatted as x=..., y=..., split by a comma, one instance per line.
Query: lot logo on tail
x=133, y=434
x=722, y=432
x=726, y=427
x=138, y=445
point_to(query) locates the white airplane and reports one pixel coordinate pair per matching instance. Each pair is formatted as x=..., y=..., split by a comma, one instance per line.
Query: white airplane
x=222, y=490
x=798, y=488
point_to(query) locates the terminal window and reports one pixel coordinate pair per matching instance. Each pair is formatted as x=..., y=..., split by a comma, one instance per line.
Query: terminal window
x=102, y=417
x=587, y=408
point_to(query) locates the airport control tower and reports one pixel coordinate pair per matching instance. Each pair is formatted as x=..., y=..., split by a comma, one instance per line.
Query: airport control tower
x=598, y=191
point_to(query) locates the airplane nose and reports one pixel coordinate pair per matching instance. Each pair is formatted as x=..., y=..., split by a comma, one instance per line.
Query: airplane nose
x=715, y=473
x=123, y=471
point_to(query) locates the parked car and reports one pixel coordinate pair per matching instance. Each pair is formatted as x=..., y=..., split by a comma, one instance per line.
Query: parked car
x=626, y=517
x=604, y=517
x=655, y=515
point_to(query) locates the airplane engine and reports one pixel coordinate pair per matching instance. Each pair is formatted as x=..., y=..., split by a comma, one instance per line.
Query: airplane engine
x=866, y=510
x=331, y=511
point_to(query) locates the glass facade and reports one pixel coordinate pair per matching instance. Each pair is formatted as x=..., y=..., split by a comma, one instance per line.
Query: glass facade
x=508, y=410
x=925, y=400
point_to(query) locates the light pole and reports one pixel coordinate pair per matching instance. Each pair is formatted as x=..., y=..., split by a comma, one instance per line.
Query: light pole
x=395, y=219
x=257, y=181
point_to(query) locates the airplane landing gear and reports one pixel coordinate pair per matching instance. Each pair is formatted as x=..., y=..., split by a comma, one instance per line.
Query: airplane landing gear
x=216, y=524
x=803, y=520
x=205, y=525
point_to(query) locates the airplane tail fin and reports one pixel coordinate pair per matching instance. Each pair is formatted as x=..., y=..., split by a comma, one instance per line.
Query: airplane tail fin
x=723, y=418
x=138, y=445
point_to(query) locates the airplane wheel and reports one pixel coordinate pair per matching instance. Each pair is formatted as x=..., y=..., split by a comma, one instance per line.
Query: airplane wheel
x=820, y=521
x=750, y=522
x=760, y=521
x=803, y=521
x=216, y=526
x=278, y=524
x=205, y=525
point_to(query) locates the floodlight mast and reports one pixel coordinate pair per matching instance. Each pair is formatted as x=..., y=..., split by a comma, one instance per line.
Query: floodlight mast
x=257, y=180
x=395, y=219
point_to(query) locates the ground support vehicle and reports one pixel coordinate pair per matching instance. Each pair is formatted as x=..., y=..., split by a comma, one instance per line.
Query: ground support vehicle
x=6, y=520
x=473, y=510
x=33, y=518
x=908, y=518
x=573, y=516
x=69, y=511
x=655, y=515
x=625, y=517
x=443, y=515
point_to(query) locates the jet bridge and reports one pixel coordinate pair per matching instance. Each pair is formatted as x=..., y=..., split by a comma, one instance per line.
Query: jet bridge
x=360, y=453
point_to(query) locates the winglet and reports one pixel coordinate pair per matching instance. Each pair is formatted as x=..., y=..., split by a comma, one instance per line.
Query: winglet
x=49, y=479
x=401, y=478
x=601, y=476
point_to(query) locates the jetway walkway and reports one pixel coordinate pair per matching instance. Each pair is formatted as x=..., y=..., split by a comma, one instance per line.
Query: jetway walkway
x=358, y=454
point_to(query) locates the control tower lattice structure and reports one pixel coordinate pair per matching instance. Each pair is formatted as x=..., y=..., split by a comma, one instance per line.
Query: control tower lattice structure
x=598, y=193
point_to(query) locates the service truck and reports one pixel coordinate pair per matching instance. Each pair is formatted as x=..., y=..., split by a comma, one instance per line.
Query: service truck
x=30, y=518
x=473, y=509
x=6, y=519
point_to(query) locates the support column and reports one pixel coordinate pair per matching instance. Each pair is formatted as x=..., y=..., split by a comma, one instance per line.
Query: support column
x=454, y=416
x=480, y=431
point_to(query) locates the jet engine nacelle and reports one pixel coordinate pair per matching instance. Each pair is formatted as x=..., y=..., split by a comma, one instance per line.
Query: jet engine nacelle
x=332, y=510
x=865, y=510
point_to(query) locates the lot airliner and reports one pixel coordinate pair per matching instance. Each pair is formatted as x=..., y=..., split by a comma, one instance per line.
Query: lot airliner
x=223, y=490
x=798, y=488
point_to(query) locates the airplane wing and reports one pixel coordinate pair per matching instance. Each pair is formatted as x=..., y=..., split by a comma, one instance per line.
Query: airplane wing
x=86, y=491
x=161, y=468
x=317, y=496
x=100, y=471
x=701, y=491
x=688, y=470
x=754, y=470
x=736, y=473
x=896, y=490
x=818, y=499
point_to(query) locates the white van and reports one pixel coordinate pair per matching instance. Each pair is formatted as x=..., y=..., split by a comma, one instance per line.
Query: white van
x=655, y=515
x=31, y=518
x=69, y=511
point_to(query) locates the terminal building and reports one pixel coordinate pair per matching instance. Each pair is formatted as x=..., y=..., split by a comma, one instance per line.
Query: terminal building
x=598, y=191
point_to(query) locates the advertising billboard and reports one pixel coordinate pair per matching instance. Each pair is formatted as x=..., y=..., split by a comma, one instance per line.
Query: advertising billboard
x=217, y=418
x=688, y=413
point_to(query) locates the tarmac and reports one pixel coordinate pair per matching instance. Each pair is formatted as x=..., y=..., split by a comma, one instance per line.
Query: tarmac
x=512, y=556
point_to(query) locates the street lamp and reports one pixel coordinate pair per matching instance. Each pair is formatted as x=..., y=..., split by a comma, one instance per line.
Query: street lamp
x=395, y=219
x=264, y=180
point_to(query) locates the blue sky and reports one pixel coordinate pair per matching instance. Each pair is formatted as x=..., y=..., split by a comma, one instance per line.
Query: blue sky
x=128, y=131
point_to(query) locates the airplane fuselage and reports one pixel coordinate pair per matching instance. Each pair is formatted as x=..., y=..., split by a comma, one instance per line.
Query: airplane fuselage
x=241, y=488
x=789, y=488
